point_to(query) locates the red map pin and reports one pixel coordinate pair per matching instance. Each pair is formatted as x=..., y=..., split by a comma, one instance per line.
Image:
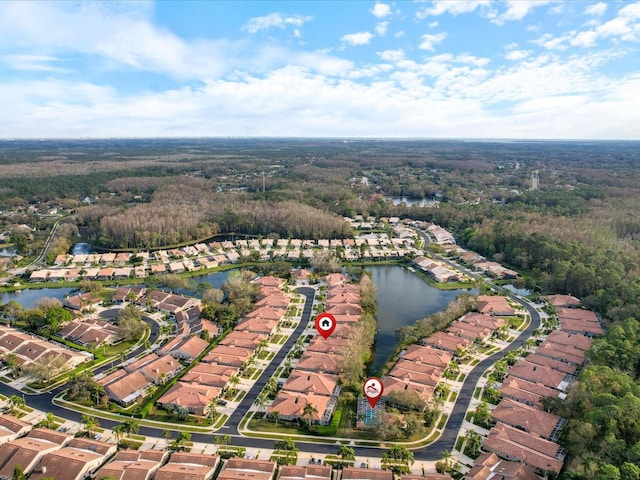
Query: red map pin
x=325, y=324
x=372, y=389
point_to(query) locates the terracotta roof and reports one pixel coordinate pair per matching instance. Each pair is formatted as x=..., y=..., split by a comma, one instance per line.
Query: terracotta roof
x=566, y=353
x=353, y=473
x=483, y=320
x=127, y=387
x=210, y=374
x=25, y=451
x=489, y=466
x=187, y=347
x=446, y=341
x=427, y=356
x=566, y=338
x=421, y=374
x=188, y=466
x=526, y=392
x=529, y=419
x=395, y=384
x=537, y=374
x=469, y=331
x=330, y=345
x=306, y=472
x=191, y=395
x=225, y=355
x=243, y=339
x=328, y=363
x=493, y=304
x=291, y=404
x=317, y=383
x=552, y=363
x=269, y=281
x=514, y=444
x=247, y=469
x=563, y=301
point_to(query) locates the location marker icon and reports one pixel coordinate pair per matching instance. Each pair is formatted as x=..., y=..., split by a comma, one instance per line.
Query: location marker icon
x=372, y=389
x=325, y=324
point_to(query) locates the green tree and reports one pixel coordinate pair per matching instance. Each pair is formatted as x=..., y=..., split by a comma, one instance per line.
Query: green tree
x=18, y=473
x=309, y=411
x=16, y=402
x=474, y=442
x=347, y=454
x=398, y=458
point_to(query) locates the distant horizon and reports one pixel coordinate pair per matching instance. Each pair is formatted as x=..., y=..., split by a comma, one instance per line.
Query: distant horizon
x=342, y=139
x=445, y=69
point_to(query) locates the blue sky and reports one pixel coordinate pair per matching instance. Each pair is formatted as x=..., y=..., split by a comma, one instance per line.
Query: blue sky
x=441, y=69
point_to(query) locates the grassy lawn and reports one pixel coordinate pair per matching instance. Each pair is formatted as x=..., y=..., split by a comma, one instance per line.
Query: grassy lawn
x=476, y=393
x=459, y=443
x=453, y=396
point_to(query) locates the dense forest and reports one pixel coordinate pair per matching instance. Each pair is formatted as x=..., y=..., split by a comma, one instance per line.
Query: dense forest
x=576, y=230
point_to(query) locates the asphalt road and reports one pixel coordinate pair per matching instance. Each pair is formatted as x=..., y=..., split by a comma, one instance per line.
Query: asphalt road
x=430, y=453
x=231, y=425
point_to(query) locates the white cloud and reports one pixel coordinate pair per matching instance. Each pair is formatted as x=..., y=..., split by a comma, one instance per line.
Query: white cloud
x=556, y=9
x=392, y=55
x=428, y=41
x=516, y=10
x=275, y=20
x=516, y=55
x=33, y=63
x=452, y=7
x=381, y=28
x=360, y=38
x=433, y=24
x=381, y=10
x=596, y=10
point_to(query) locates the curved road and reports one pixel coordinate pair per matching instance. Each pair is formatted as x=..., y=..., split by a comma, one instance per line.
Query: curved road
x=429, y=453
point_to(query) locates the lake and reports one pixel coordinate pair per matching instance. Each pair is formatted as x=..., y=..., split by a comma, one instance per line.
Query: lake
x=28, y=298
x=402, y=299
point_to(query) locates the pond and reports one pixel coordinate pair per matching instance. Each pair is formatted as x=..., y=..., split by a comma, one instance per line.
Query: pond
x=402, y=299
x=28, y=298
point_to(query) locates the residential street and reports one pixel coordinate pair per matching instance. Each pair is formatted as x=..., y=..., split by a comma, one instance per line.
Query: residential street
x=432, y=452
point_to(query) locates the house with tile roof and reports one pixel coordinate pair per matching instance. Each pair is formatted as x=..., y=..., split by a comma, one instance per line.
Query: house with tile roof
x=12, y=427
x=210, y=374
x=355, y=473
x=195, y=397
x=529, y=419
x=305, y=472
x=27, y=452
x=133, y=465
x=447, y=342
x=290, y=406
x=188, y=466
x=538, y=374
x=489, y=466
x=80, y=457
x=516, y=445
x=526, y=392
x=184, y=348
x=427, y=356
x=248, y=469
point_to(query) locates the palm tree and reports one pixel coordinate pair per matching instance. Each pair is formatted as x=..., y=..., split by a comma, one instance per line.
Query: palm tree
x=118, y=431
x=261, y=402
x=49, y=419
x=16, y=402
x=474, y=442
x=446, y=457
x=89, y=422
x=346, y=453
x=310, y=410
x=213, y=403
x=276, y=416
x=131, y=427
